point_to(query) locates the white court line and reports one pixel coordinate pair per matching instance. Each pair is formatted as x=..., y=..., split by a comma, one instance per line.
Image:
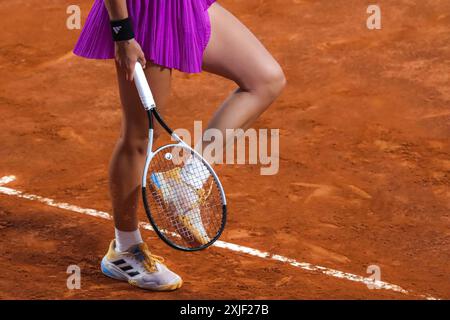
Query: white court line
x=221, y=244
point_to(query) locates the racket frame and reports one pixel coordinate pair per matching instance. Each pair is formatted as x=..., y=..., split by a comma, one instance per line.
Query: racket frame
x=149, y=105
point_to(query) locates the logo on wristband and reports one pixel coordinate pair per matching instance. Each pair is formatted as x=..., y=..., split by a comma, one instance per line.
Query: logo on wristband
x=122, y=30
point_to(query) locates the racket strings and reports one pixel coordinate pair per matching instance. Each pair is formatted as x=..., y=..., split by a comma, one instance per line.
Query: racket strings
x=184, y=198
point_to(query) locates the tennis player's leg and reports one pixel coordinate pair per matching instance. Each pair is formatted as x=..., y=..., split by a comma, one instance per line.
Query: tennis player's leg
x=128, y=258
x=128, y=158
x=235, y=53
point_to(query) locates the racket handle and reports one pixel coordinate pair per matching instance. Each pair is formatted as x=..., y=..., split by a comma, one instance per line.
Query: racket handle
x=143, y=88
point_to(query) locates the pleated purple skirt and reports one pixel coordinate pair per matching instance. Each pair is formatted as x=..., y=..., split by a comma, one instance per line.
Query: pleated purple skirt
x=172, y=33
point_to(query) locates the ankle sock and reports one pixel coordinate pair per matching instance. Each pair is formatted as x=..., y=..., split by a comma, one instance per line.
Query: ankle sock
x=126, y=239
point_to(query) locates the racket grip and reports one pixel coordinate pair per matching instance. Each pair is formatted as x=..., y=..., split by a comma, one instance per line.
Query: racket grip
x=143, y=88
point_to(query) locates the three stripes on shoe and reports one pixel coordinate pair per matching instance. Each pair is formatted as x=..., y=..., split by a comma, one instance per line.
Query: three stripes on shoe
x=125, y=267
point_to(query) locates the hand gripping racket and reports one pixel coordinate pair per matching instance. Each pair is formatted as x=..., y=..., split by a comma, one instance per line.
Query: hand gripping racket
x=183, y=197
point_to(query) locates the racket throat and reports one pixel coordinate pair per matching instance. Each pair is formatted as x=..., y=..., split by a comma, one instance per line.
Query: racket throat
x=149, y=157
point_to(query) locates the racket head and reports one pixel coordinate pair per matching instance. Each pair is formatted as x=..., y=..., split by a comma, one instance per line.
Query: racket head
x=183, y=198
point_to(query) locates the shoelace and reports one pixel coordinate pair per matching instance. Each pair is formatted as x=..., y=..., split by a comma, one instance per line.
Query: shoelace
x=202, y=194
x=150, y=259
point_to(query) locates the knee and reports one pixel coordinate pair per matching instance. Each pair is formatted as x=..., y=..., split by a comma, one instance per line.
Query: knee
x=271, y=82
x=134, y=144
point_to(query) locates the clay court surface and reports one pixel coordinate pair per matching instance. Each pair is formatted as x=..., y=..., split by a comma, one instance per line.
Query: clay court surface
x=364, y=170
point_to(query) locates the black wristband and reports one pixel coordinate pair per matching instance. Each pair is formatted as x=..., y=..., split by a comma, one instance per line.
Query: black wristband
x=122, y=30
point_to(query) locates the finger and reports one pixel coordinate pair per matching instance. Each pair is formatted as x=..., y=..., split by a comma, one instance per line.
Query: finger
x=142, y=61
x=126, y=71
x=122, y=68
x=130, y=71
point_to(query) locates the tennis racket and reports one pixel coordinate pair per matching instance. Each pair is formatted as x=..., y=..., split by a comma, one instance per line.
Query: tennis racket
x=183, y=197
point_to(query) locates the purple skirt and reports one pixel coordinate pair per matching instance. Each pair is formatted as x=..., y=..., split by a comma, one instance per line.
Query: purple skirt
x=172, y=33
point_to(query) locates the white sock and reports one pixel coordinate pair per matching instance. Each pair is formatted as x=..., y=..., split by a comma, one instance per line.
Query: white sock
x=126, y=239
x=195, y=173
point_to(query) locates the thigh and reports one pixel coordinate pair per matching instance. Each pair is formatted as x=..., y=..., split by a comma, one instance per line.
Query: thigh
x=134, y=120
x=235, y=53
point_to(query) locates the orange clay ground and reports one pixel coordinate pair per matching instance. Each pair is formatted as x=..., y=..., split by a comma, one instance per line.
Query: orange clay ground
x=365, y=159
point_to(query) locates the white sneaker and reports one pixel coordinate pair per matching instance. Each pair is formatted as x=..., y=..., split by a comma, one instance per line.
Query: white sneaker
x=140, y=268
x=186, y=200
